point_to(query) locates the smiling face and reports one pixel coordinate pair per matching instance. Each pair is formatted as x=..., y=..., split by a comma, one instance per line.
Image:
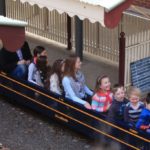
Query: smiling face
x=134, y=94
x=105, y=84
x=134, y=98
x=119, y=95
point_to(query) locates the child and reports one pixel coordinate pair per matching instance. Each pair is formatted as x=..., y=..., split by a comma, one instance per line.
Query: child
x=38, y=71
x=102, y=98
x=134, y=107
x=144, y=119
x=54, y=81
x=116, y=110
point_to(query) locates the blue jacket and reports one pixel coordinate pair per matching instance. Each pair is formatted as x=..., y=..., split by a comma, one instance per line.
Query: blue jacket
x=144, y=118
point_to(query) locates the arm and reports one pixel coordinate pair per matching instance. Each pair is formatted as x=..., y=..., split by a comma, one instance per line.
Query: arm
x=26, y=51
x=95, y=102
x=68, y=89
x=88, y=91
x=54, y=84
x=126, y=115
x=142, y=122
x=111, y=114
x=31, y=71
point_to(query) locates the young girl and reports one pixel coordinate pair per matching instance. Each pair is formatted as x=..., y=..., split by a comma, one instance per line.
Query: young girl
x=74, y=88
x=55, y=77
x=38, y=51
x=134, y=107
x=144, y=119
x=33, y=74
x=38, y=71
x=116, y=110
x=102, y=98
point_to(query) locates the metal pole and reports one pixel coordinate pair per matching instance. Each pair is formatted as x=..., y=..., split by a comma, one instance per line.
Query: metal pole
x=2, y=8
x=121, y=58
x=79, y=37
x=69, y=44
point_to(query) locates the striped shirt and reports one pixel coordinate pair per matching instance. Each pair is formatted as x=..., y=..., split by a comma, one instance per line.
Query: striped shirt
x=132, y=113
x=101, y=101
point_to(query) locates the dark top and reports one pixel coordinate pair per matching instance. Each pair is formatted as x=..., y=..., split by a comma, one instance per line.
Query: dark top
x=8, y=60
x=116, y=110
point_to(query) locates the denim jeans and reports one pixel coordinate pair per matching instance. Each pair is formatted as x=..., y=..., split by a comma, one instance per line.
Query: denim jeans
x=20, y=71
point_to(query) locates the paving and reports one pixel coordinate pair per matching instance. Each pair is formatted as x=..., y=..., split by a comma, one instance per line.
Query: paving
x=24, y=129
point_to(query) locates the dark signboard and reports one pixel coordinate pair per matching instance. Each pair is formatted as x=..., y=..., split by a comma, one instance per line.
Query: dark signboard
x=140, y=74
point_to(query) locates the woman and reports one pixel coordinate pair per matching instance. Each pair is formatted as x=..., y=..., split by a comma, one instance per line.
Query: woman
x=74, y=83
x=55, y=77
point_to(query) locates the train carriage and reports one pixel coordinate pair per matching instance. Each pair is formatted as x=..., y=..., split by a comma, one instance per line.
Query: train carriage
x=74, y=115
x=65, y=111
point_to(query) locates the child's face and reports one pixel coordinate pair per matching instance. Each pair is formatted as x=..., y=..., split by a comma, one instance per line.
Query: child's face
x=43, y=53
x=119, y=94
x=105, y=84
x=134, y=98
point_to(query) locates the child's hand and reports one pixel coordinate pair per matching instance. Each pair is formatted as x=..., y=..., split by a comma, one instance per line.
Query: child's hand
x=144, y=127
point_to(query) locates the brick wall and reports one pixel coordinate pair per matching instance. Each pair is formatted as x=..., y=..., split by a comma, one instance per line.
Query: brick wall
x=143, y=3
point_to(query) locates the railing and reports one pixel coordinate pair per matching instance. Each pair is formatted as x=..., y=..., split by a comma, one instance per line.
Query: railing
x=52, y=25
x=97, y=40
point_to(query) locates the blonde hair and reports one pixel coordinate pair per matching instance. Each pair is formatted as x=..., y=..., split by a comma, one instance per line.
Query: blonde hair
x=134, y=90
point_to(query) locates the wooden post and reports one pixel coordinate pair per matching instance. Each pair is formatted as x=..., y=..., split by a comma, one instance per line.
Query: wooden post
x=122, y=58
x=69, y=44
x=2, y=8
x=79, y=37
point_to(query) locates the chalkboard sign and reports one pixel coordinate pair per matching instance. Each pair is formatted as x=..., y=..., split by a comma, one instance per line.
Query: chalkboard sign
x=140, y=74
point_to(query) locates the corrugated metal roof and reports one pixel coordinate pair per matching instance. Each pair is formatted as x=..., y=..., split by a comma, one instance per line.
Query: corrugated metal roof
x=107, y=4
x=11, y=22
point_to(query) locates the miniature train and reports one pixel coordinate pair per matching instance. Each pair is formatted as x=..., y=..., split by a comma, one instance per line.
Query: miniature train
x=72, y=114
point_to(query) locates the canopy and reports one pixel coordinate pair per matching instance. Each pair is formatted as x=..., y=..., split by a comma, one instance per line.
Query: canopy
x=106, y=12
x=12, y=33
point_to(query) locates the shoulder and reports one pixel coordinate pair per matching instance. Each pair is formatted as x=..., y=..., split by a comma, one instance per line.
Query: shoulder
x=54, y=76
x=32, y=66
x=66, y=79
x=128, y=106
x=141, y=103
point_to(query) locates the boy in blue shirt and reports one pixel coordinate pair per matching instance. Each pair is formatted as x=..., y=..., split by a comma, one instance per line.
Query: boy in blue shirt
x=116, y=110
x=144, y=119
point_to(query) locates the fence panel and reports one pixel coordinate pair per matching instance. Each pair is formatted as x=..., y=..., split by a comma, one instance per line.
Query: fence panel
x=97, y=40
x=137, y=41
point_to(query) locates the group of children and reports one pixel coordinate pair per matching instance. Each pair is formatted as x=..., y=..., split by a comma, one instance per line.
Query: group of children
x=113, y=101
x=65, y=77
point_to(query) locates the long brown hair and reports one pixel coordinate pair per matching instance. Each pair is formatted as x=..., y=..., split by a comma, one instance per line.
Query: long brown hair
x=99, y=81
x=42, y=63
x=69, y=69
x=56, y=68
x=42, y=66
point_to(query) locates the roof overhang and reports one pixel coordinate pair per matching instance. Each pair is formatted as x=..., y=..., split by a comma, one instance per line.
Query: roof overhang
x=106, y=12
x=12, y=33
